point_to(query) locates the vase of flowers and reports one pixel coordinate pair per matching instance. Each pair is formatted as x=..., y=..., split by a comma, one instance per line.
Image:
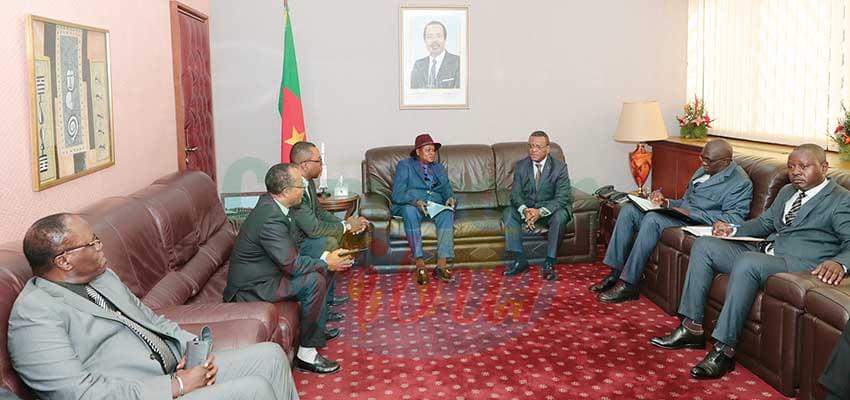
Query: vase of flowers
x=696, y=122
x=841, y=136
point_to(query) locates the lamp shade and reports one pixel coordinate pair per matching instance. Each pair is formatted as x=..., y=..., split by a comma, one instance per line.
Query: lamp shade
x=640, y=122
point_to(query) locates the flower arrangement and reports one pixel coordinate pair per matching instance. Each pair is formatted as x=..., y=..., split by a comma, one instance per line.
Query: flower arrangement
x=696, y=122
x=841, y=136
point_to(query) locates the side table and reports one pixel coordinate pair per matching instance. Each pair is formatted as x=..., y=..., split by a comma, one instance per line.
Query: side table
x=335, y=204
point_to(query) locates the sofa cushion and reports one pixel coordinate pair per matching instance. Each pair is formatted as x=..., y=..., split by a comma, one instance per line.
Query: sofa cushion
x=768, y=175
x=468, y=223
x=506, y=155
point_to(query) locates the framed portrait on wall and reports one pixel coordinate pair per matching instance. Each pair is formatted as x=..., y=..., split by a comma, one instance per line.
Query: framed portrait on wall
x=70, y=100
x=434, y=57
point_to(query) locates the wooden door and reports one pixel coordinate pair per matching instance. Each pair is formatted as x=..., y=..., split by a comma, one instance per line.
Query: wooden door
x=190, y=41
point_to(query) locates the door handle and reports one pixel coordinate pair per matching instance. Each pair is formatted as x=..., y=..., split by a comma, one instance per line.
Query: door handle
x=188, y=150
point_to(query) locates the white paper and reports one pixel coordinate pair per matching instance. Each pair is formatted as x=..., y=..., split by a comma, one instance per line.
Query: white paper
x=643, y=204
x=434, y=208
x=706, y=231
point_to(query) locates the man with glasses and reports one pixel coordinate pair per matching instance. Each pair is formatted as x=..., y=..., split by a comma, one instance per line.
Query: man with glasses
x=322, y=229
x=541, y=198
x=266, y=265
x=76, y=331
x=719, y=190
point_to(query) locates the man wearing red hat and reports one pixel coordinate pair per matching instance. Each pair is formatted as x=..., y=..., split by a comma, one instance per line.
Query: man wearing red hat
x=417, y=181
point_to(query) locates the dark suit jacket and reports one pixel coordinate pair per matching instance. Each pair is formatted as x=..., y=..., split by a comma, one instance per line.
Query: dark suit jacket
x=554, y=192
x=820, y=232
x=836, y=374
x=312, y=220
x=725, y=196
x=409, y=184
x=265, y=252
x=64, y=346
x=448, y=77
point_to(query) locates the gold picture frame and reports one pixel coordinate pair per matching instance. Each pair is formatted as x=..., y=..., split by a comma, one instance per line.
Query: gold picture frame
x=70, y=95
x=441, y=35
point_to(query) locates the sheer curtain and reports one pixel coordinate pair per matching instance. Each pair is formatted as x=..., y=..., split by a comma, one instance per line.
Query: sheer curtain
x=770, y=70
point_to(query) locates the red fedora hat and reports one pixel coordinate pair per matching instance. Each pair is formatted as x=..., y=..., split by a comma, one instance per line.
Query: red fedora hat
x=424, y=139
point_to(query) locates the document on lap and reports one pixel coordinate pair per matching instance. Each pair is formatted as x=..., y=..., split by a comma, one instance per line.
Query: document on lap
x=646, y=206
x=435, y=208
x=706, y=231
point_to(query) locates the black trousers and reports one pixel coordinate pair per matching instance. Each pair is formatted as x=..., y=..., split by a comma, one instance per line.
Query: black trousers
x=311, y=292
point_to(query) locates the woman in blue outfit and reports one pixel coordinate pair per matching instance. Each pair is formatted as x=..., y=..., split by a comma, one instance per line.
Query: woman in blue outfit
x=417, y=181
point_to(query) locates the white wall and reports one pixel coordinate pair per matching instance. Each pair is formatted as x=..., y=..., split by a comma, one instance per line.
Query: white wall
x=564, y=66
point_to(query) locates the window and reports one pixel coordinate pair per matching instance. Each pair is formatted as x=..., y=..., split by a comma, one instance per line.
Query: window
x=770, y=70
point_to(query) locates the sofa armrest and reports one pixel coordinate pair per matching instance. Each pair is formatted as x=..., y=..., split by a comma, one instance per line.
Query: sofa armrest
x=229, y=335
x=830, y=304
x=791, y=287
x=375, y=207
x=195, y=314
x=583, y=201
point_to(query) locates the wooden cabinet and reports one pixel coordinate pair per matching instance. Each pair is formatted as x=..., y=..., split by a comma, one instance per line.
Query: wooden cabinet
x=673, y=164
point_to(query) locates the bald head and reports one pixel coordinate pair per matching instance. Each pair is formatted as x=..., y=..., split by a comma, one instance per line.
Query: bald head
x=716, y=156
x=814, y=151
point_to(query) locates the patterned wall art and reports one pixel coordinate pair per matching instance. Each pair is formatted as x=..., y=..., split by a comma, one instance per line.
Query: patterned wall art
x=70, y=99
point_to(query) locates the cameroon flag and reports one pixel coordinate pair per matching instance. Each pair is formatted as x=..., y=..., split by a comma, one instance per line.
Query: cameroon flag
x=289, y=102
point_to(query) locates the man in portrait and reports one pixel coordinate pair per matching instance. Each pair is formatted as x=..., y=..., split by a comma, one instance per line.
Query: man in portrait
x=440, y=69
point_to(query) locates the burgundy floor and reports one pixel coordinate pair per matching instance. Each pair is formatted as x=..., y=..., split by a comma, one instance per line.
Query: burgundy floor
x=487, y=337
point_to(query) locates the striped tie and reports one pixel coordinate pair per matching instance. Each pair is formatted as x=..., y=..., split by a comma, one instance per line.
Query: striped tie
x=795, y=208
x=166, y=358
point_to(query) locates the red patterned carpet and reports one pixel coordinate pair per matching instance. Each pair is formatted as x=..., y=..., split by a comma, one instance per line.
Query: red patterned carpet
x=486, y=337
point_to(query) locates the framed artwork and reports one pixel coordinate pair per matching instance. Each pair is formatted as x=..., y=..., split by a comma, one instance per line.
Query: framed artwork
x=70, y=100
x=434, y=57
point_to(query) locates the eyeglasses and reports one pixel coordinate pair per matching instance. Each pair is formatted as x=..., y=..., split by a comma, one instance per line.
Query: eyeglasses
x=710, y=161
x=537, y=146
x=96, y=243
x=295, y=187
x=320, y=161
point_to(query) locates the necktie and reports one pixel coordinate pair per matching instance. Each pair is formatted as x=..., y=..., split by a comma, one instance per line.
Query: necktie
x=426, y=172
x=538, y=170
x=432, y=77
x=795, y=208
x=166, y=358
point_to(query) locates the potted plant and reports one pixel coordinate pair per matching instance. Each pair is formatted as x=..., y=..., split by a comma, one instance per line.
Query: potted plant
x=696, y=122
x=840, y=136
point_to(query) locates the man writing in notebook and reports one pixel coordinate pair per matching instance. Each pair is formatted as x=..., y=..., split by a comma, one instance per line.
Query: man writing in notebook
x=807, y=228
x=718, y=191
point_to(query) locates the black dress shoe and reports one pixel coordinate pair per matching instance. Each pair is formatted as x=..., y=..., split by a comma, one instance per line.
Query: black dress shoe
x=338, y=300
x=332, y=334
x=320, y=365
x=421, y=276
x=548, y=272
x=335, y=316
x=618, y=294
x=680, y=338
x=444, y=274
x=516, y=268
x=606, y=284
x=713, y=366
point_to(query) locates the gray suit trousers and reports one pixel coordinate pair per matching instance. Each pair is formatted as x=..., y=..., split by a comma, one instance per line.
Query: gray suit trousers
x=635, y=235
x=260, y=371
x=748, y=271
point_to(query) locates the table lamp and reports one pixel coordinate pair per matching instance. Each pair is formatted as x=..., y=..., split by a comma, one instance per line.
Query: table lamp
x=640, y=122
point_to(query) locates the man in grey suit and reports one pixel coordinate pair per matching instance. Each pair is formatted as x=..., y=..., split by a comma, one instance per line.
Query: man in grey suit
x=540, y=198
x=440, y=69
x=266, y=265
x=718, y=191
x=77, y=332
x=807, y=228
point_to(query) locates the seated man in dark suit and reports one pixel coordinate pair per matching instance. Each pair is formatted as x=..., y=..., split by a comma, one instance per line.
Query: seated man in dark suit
x=807, y=228
x=76, y=332
x=540, y=195
x=315, y=223
x=266, y=265
x=718, y=191
x=837, y=371
x=439, y=69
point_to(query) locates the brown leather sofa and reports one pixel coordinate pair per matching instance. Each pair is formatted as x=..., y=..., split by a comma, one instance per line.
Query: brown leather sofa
x=170, y=244
x=481, y=177
x=827, y=312
x=770, y=343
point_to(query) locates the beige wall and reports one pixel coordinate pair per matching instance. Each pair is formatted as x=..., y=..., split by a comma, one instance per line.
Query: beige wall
x=564, y=66
x=143, y=101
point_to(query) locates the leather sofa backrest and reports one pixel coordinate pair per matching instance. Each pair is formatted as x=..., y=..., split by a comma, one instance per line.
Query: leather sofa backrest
x=14, y=273
x=768, y=175
x=840, y=176
x=470, y=168
x=506, y=156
